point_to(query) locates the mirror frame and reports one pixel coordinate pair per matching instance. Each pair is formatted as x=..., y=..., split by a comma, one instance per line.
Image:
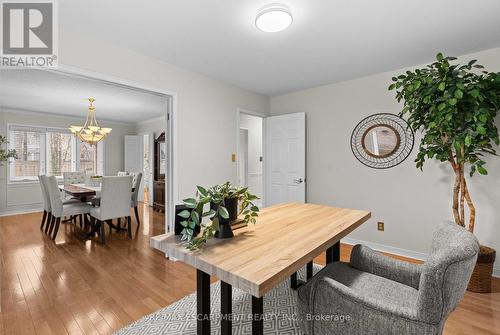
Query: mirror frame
x=405, y=141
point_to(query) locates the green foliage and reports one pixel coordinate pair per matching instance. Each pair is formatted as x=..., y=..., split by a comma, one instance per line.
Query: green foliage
x=217, y=195
x=5, y=155
x=455, y=107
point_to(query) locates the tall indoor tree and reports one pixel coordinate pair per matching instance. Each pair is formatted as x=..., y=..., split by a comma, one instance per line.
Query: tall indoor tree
x=454, y=106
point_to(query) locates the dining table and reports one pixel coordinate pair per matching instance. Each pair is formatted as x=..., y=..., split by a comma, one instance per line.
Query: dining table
x=285, y=238
x=87, y=193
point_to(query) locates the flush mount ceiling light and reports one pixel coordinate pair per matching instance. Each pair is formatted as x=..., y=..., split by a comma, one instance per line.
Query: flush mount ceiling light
x=273, y=18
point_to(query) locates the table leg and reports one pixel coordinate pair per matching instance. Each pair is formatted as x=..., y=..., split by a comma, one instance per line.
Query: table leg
x=333, y=253
x=203, y=303
x=309, y=270
x=257, y=316
x=295, y=283
x=226, y=308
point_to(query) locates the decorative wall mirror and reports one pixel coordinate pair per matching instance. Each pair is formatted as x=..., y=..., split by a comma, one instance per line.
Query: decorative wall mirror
x=382, y=141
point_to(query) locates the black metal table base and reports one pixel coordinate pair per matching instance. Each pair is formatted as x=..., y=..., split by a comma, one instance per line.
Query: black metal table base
x=333, y=253
x=203, y=303
x=257, y=316
x=226, y=308
x=296, y=283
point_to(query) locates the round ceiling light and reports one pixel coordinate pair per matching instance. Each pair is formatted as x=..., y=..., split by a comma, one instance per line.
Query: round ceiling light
x=273, y=18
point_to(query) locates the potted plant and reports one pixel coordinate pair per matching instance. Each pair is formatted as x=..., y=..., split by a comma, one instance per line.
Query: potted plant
x=455, y=106
x=5, y=155
x=223, y=201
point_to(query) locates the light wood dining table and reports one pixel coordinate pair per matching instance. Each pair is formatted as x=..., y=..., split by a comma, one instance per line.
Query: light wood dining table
x=285, y=238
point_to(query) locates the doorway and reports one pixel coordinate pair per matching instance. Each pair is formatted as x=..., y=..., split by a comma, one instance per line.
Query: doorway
x=250, y=154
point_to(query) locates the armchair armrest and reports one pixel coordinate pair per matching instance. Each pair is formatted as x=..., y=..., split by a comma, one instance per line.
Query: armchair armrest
x=330, y=300
x=366, y=259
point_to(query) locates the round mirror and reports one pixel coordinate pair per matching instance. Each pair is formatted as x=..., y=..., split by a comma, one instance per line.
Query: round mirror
x=381, y=141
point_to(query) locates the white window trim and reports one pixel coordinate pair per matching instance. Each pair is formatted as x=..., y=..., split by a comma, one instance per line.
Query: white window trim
x=75, y=161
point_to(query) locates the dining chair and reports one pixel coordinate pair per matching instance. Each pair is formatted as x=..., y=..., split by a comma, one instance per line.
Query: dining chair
x=60, y=208
x=136, y=183
x=114, y=204
x=47, y=216
x=74, y=177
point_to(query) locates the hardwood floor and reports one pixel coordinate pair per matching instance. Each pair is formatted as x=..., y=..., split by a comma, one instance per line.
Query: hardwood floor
x=82, y=287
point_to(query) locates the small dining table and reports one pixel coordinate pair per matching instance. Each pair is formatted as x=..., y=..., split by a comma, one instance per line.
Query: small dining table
x=81, y=191
x=285, y=238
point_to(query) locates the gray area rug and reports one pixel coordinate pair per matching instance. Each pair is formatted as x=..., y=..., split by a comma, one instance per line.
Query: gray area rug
x=280, y=313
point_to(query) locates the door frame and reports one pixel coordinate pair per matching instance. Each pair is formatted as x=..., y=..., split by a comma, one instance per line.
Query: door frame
x=240, y=111
x=170, y=115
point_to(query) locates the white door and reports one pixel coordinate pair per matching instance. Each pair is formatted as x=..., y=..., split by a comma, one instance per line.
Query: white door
x=134, y=157
x=285, y=159
x=243, y=157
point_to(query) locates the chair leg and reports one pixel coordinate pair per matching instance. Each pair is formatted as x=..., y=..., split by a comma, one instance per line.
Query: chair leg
x=119, y=223
x=48, y=223
x=52, y=223
x=110, y=224
x=44, y=217
x=58, y=221
x=129, y=227
x=136, y=211
x=103, y=235
x=80, y=217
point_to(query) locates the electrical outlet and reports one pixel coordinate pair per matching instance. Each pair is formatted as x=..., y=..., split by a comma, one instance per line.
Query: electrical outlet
x=380, y=226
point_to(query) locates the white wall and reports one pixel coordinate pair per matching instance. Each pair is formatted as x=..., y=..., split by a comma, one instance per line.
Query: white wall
x=26, y=196
x=410, y=202
x=254, y=126
x=206, y=107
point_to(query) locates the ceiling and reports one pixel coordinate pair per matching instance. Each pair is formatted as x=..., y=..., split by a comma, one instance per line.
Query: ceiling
x=55, y=93
x=329, y=40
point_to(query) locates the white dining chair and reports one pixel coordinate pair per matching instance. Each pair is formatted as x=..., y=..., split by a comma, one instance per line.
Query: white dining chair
x=47, y=216
x=59, y=208
x=74, y=177
x=136, y=184
x=114, y=204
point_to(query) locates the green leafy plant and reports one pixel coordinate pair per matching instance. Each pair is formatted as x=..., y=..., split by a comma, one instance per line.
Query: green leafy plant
x=5, y=155
x=454, y=106
x=216, y=195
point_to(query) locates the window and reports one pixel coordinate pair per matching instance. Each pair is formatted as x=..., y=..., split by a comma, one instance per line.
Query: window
x=50, y=151
x=28, y=147
x=87, y=157
x=60, y=151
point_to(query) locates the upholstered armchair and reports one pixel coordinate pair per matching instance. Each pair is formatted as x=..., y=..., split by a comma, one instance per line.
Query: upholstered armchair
x=375, y=294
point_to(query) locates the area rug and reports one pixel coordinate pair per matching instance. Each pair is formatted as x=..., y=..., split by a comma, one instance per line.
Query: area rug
x=280, y=313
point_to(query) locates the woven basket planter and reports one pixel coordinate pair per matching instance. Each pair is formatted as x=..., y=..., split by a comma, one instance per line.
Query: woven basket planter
x=480, y=280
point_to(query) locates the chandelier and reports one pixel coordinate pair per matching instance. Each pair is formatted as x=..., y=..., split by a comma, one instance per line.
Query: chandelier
x=91, y=132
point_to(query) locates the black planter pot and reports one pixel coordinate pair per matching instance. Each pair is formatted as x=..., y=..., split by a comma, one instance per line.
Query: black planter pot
x=225, y=230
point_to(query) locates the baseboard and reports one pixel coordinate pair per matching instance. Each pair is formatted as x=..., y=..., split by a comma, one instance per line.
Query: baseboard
x=398, y=251
x=19, y=211
x=389, y=249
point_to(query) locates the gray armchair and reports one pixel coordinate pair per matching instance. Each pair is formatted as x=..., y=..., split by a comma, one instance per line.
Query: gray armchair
x=375, y=294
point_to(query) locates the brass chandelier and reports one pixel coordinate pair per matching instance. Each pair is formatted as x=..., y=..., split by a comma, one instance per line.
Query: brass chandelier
x=91, y=132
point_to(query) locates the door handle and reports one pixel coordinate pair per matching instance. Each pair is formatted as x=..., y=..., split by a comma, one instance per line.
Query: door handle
x=298, y=181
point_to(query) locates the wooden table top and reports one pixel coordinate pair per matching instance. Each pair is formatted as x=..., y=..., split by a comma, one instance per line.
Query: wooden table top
x=260, y=256
x=79, y=190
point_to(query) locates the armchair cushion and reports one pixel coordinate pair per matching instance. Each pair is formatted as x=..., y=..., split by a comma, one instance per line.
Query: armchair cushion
x=351, y=291
x=366, y=259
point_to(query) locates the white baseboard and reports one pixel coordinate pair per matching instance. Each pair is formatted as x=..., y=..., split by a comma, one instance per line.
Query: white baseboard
x=19, y=211
x=398, y=251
